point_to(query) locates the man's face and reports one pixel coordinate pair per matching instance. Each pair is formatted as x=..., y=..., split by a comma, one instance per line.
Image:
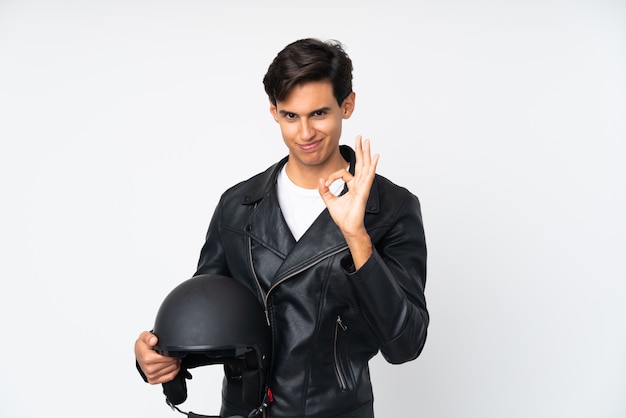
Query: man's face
x=310, y=122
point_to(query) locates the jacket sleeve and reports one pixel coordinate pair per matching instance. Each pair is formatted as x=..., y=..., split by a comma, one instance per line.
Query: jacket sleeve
x=390, y=285
x=212, y=258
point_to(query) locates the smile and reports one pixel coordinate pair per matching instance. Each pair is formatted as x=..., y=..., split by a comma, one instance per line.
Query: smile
x=310, y=146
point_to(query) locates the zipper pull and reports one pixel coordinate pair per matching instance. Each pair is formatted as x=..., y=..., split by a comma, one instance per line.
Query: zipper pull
x=340, y=323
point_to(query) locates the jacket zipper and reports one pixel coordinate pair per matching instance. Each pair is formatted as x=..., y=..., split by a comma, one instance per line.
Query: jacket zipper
x=312, y=263
x=256, y=280
x=339, y=325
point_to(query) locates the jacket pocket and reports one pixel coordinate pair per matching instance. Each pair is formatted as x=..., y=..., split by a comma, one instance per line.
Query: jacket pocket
x=338, y=352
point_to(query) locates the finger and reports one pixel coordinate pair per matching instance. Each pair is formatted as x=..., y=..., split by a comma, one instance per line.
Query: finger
x=358, y=147
x=365, y=163
x=324, y=191
x=366, y=155
x=374, y=164
x=155, y=362
x=358, y=151
x=342, y=174
x=324, y=186
x=162, y=374
x=148, y=338
x=142, y=348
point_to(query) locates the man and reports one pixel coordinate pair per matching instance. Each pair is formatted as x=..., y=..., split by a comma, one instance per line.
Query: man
x=335, y=252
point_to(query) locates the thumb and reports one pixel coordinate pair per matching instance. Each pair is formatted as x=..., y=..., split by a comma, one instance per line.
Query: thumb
x=152, y=340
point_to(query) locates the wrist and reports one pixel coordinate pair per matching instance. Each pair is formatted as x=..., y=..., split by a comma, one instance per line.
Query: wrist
x=361, y=248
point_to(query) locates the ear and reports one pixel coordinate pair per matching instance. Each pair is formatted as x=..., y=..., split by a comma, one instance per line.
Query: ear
x=274, y=111
x=348, y=105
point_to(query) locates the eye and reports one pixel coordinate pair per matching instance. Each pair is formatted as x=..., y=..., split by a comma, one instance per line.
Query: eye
x=290, y=115
x=319, y=113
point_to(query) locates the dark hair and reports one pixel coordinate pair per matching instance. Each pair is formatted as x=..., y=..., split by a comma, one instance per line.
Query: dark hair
x=308, y=60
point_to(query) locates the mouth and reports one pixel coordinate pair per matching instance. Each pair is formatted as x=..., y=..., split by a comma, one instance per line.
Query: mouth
x=310, y=146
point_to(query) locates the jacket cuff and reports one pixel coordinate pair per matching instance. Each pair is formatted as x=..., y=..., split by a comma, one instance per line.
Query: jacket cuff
x=143, y=375
x=347, y=264
x=383, y=301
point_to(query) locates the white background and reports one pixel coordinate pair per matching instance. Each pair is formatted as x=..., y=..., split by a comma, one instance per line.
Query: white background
x=121, y=122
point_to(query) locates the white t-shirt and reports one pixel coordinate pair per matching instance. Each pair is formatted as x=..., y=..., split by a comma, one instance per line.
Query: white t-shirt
x=301, y=206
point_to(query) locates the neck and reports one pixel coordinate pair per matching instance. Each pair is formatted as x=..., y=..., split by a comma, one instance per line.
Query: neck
x=307, y=176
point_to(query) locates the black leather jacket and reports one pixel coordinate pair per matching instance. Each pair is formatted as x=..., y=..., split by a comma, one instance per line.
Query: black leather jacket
x=328, y=320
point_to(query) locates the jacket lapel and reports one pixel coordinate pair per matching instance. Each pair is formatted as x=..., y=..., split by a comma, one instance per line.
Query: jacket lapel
x=322, y=239
x=267, y=225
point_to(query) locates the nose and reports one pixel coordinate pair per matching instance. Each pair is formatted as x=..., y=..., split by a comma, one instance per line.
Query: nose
x=307, y=132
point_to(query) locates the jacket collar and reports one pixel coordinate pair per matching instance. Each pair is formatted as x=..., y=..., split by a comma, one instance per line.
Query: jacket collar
x=260, y=186
x=267, y=226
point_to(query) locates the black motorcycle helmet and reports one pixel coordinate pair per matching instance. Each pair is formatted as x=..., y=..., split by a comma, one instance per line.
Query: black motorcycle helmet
x=213, y=319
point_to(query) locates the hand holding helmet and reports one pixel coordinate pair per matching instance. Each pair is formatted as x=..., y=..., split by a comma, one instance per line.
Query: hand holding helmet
x=156, y=367
x=210, y=319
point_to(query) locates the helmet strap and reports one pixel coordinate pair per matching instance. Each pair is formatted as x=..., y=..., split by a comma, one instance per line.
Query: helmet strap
x=190, y=414
x=255, y=413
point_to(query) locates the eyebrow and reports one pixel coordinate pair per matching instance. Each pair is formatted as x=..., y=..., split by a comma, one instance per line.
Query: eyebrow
x=322, y=109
